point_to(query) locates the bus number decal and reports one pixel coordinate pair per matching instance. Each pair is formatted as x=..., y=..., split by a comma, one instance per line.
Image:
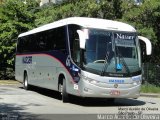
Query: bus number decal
x=27, y=60
x=68, y=62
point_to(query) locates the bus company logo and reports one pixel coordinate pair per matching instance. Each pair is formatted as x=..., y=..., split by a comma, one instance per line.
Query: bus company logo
x=27, y=60
x=116, y=81
x=123, y=36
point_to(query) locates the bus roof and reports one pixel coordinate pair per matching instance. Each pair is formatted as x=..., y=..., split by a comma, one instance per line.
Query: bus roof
x=84, y=22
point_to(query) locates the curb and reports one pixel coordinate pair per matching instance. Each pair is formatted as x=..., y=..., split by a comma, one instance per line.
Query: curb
x=150, y=95
x=8, y=82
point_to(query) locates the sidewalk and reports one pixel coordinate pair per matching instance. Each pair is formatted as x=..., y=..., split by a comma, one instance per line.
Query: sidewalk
x=9, y=82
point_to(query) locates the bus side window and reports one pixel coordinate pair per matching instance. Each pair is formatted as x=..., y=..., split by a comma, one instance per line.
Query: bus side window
x=59, y=38
x=42, y=44
x=32, y=43
x=41, y=41
x=74, y=43
x=50, y=40
x=19, y=45
x=26, y=44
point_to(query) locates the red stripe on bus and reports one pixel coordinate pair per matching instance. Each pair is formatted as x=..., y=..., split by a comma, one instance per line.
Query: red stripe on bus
x=53, y=58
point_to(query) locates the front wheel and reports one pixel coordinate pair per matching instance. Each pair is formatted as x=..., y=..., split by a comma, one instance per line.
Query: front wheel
x=25, y=82
x=65, y=95
x=111, y=100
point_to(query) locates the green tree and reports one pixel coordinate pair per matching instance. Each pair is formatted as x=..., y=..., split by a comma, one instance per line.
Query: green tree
x=107, y=9
x=15, y=18
x=146, y=19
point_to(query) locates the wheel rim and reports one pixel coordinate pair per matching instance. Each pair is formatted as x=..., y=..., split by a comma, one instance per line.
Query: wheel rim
x=61, y=88
x=26, y=82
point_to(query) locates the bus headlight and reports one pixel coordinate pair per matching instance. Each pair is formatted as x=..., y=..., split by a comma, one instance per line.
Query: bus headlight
x=89, y=80
x=137, y=82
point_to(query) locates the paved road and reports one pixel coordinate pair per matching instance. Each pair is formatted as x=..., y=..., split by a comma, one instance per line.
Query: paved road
x=41, y=103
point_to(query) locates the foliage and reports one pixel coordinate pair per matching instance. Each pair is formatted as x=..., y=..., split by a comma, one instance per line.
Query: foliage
x=81, y=8
x=15, y=17
x=150, y=88
x=146, y=18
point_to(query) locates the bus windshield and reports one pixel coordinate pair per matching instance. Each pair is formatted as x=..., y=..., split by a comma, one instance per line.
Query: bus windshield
x=112, y=53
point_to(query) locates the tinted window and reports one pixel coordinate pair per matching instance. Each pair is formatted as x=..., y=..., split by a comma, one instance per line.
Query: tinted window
x=54, y=39
x=19, y=45
x=74, y=43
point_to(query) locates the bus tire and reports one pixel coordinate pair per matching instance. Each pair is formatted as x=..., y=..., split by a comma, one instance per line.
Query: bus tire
x=65, y=95
x=25, y=82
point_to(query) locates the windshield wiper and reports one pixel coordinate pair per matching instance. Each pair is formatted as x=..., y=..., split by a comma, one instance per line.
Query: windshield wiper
x=105, y=64
x=123, y=62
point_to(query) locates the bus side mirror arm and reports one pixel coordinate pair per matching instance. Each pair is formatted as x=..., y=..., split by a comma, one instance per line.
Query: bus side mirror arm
x=148, y=44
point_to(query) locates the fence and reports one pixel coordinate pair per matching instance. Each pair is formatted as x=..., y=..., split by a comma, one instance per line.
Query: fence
x=151, y=74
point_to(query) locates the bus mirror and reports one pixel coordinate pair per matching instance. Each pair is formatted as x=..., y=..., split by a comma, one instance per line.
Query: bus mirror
x=83, y=35
x=148, y=44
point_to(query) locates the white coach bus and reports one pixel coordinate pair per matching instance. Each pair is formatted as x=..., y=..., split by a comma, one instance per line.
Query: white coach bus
x=85, y=57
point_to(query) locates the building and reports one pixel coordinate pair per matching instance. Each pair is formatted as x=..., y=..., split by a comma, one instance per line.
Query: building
x=138, y=2
x=42, y=2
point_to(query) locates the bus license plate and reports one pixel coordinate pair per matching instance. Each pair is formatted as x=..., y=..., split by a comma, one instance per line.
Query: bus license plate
x=114, y=92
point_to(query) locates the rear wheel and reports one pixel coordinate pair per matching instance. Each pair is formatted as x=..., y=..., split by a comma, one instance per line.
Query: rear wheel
x=65, y=95
x=25, y=82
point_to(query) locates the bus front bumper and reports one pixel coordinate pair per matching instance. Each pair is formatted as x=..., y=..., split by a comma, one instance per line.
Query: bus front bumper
x=91, y=90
